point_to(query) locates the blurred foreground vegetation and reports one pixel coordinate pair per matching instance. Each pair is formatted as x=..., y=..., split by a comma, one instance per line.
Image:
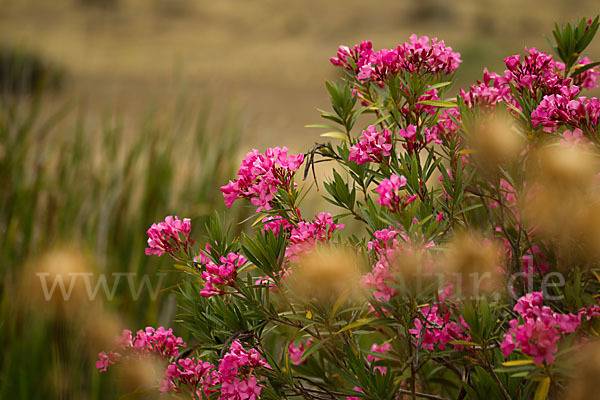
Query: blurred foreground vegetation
x=94, y=188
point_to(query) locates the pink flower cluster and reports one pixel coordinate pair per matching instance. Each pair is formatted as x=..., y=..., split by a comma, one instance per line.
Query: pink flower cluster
x=445, y=126
x=198, y=376
x=276, y=224
x=565, y=108
x=235, y=374
x=354, y=59
x=307, y=235
x=383, y=349
x=372, y=146
x=536, y=71
x=222, y=274
x=260, y=176
x=421, y=55
x=389, y=193
x=296, y=352
x=236, y=369
x=171, y=236
x=146, y=343
x=416, y=141
x=538, y=329
x=433, y=329
x=488, y=93
x=574, y=138
x=386, y=246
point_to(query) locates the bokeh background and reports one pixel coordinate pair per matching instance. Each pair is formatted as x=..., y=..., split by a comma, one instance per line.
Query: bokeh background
x=116, y=113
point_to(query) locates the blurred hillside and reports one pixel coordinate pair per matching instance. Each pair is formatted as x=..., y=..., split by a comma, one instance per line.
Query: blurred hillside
x=269, y=55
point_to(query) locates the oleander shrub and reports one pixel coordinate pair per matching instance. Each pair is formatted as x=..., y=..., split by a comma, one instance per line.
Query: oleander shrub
x=470, y=269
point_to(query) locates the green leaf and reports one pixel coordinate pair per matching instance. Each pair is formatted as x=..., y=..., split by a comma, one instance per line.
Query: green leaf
x=438, y=103
x=438, y=85
x=584, y=68
x=516, y=363
x=541, y=393
x=355, y=324
x=336, y=135
x=313, y=348
x=463, y=343
x=324, y=126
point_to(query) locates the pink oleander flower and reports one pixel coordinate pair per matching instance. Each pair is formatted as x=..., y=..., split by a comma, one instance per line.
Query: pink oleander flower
x=433, y=329
x=445, y=127
x=427, y=55
x=389, y=193
x=564, y=108
x=223, y=274
x=553, y=110
x=539, y=329
x=198, y=376
x=574, y=138
x=589, y=78
x=383, y=349
x=372, y=146
x=387, y=248
x=296, y=352
x=307, y=235
x=147, y=343
x=235, y=374
x=415, y=141
x=276, y=224
x=237, y=369
x=536, y=71
x=106, y=360
x=260, y=176
x=354, y=59
x=488, y=93
x=420, y=55
x=171, y=236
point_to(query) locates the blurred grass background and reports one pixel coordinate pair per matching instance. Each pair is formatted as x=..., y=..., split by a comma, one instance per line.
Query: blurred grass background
x=116, y=113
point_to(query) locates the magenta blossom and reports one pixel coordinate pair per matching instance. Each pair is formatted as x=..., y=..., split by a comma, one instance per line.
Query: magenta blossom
x=372, y=146
x=389, y=193
x=420, y=55
x=536, y=71
x=276, y=224
x=223, y=274
x=146, y=343
x=296, y=352
x=235, y=374
x=387, y=245
x=564, y=108
x=432, y=329
x=307, y=235
x=538, y=329
x=260, y=176
x=171, y=236
x=383, y=349
x=487, y=93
